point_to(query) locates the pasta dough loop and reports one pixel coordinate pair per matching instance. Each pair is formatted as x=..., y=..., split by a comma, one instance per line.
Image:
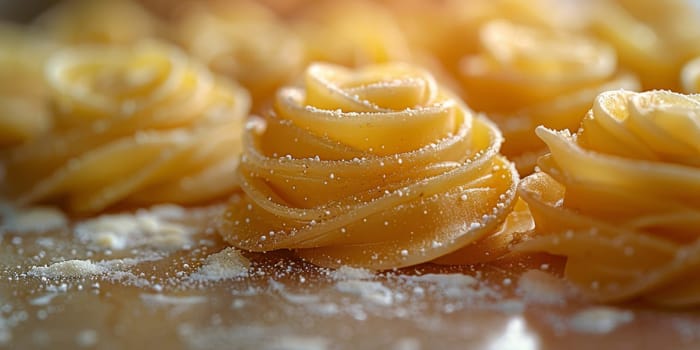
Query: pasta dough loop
x=526, y=76
x=142, y=124
x=378, y=167
x=621, y=198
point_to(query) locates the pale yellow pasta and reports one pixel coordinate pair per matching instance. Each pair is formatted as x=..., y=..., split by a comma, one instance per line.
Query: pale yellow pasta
x=524, y=76
x=351, y=33
x=690, y=76
x=449, y=30
x=137, y=124
x=377, y=167
x=23, y=105
x=621, y=198
x=22, y=118
x=244, y=41
x=652, y=38
x=98, y=22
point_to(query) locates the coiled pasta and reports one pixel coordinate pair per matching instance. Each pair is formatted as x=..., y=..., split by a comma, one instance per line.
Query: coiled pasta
x=652, y=38
x=524, y=77
x=690, y=76
x=351, y=34
x=246, y=42
x=378, y=168
x=24, y=108
x=621, y=198
x=98, y=22
x=448, y=30
x=136, y=124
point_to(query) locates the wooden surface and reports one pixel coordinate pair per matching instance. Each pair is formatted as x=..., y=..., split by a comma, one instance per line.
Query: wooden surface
x=283, y=303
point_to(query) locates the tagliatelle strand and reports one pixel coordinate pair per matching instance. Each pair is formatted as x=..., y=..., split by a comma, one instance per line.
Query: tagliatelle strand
x=621, y=203
x=338, y=172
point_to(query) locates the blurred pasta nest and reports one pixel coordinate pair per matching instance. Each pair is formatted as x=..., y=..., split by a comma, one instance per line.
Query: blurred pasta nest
x=244, y=41
x=621, y=198
x=377, y=167
x=690, y=76
x=24, y=113
x=135, y=124
x=527, y=76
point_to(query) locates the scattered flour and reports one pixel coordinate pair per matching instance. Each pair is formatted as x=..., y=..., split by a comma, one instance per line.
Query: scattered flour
x=152, y=228
x=5, y=333
x=43, y=300
x=226, y=264
x=407, y=344
x=87, y=338
x=293, y=342
x=453, y=285
x=161, y=299
x=374, y=292
x=599, y=320
x=351, y=273
x=303, y=298
x=539, y=287
x=68, y=268
x=249, y=337
x=31, y=220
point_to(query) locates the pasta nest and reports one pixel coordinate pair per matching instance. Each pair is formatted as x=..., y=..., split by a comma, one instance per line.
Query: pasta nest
x=651, y=38
x=23, y=106
x=138, y=124
x=244, y=41
x=621, y=198
x=117, y=22
x=351, y=33
x=378, y=167
x=527, y=76
x=690, y=76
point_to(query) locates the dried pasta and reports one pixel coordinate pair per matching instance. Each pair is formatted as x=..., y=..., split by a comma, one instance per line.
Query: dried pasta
x=137, y=124
x=23, y=106
x=449, y=30
x=98, y=22
x=244, y=41
x=690, y=76
x=351, y=33
x=524, y=77
x=621, y=198
x=652, y=38
x=377, y=167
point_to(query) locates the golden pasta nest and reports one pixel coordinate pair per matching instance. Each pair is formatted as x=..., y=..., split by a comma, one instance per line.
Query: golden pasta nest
x=377, y=167
x=526, y=76
x=244, y=41
x=621, y=198
x=690, y=76
x=652, y=38
x=98, y=22
x=449, y=29
x=351, y=33
x=136, y=124
x=23, y=106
